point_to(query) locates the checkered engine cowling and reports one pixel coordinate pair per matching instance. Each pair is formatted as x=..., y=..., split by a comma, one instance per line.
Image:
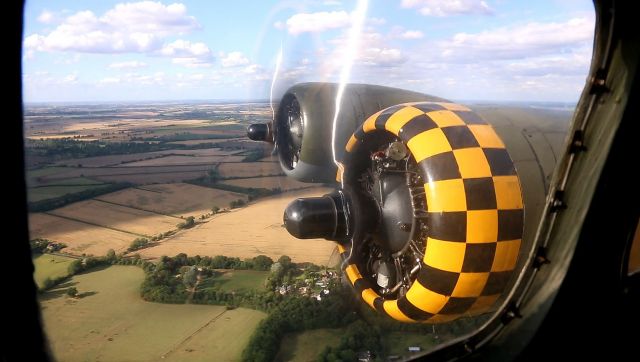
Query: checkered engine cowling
x=475, y=212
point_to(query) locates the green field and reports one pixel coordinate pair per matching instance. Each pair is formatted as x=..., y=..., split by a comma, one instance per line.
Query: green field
x=398, y=343
x=49, y=192
x=306, y=346
x=33, y=176
x=112, y=323
x=50, y=266
x=236, y=280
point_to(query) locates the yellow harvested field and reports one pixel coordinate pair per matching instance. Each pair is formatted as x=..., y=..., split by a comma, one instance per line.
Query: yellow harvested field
x=80, y=238
x=270, y=182
x=247, y=232
x=117, y=217
x=199, y=152
x=185, y=160
x=152, y=178
x=128, y=159
x=174, y=199
x=250, y=169
x=112, y=160
x=61, y=173
x=197, y=142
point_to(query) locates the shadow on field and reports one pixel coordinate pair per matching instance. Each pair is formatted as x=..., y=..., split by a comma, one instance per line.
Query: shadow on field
x=57, y=291
x=86, y=294
x=94, y=269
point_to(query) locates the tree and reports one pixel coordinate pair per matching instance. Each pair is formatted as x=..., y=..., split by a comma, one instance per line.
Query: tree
x=75, y=267
x=138, y=243
x=285, y=261
x=190, y=276
x=72, y=292
x=111, y=256
x=262, y=262
x=237, y=203
x=188, y=222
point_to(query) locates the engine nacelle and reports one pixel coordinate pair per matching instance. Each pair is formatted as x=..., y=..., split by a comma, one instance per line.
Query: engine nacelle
x=429, y=217
x=302, y=129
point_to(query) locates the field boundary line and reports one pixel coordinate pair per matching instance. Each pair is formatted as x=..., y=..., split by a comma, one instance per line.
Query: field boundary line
x=69, y=185
x=149, y=190
x=94, y=224
x=139, y=208
x=186, y=339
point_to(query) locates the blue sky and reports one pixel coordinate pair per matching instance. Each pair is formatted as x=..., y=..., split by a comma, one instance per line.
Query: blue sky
x=462, y=50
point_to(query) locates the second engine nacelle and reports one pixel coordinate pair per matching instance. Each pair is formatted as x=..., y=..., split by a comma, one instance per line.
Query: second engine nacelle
x=303, y=125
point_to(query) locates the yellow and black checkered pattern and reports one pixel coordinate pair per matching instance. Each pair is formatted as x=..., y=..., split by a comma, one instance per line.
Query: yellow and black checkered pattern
x=475, y=211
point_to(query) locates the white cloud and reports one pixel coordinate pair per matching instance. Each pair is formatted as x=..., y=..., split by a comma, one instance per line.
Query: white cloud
x=191, y=62
x=317, y=22
x=46, y=17
x=182, y=47
x=188, y=54
x=532, y=39
x=233, y=59
x=132, y=64
x=376, y=21
x=374, y=50
x=109, y=80
x=70, y=79
x=412, y=34
x=448, y=7
x=128, y=27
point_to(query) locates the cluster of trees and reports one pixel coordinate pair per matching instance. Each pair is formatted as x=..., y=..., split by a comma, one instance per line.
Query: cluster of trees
x=296, y=314
x=358, y=337
x=165, y=282
x=237, y=203
x=39, y=246
x=56, y=202
x=70, y=148
x=138, y=243
x=78, y=266
x=282, y=271
x=188, y=223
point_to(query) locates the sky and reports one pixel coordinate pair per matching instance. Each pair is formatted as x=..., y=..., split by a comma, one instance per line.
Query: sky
x=88, y=51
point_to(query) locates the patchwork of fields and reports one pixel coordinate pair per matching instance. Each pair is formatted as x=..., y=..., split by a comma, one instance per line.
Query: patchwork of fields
x=111, y=321
x=80, y=238
x=270, y=182
x=252, y=230
x=177, y=199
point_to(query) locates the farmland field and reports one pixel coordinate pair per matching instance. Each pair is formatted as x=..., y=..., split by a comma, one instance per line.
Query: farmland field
x=398, y=343
x=249, y=169
x=38, y=176
x=111, y=160
x=81, y=238
x=111, y=322
x=185, y=160
x=49, y=192
x=270, y=182
x=70, y=172
x=118, y=217
x=253, y=230
x=235, y=280
x=50, y=266
x=197, y=142
x=152, y=177
x=306, y=346
x=174, y=199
